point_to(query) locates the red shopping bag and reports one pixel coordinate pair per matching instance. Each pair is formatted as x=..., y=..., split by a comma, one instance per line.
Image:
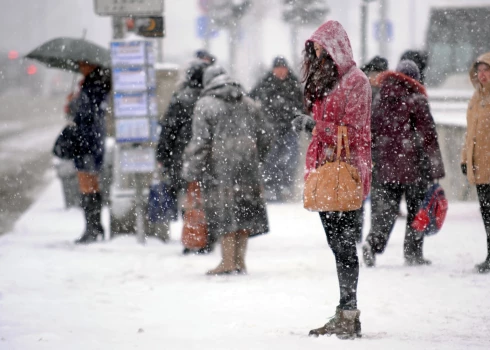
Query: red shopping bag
x=195, y=230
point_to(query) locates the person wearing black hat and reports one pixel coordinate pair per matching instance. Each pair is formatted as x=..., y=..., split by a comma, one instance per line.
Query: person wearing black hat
x=280, y=95
x=372, y=69
x=177, y=130
x=205, y=56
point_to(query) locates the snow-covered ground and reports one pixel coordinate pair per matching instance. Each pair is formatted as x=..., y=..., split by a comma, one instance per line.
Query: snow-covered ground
x=122, y=295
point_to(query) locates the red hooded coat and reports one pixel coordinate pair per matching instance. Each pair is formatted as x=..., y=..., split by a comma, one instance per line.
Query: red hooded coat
x=349, y=104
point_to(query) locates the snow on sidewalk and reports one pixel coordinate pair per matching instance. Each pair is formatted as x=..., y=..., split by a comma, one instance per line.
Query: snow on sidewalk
x=121, y=295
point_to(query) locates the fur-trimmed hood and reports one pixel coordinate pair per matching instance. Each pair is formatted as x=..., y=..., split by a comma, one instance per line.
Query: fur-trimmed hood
x=392, y=78
x=485, y=58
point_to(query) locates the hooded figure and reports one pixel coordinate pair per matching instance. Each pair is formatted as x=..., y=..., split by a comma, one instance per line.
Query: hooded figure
x=280, y=96
x=338, y=93
x=229, y=140
x=177, y=125
x=406, y=159
x=475, y=161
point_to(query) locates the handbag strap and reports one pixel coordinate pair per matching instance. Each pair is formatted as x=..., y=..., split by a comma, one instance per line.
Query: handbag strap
x=342, y=136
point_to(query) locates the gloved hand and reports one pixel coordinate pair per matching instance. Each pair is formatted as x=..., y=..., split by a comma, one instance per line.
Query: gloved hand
x=303, y=122
x=464, y=169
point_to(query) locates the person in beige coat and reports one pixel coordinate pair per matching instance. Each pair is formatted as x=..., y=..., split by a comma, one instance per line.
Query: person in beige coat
x=475, y=162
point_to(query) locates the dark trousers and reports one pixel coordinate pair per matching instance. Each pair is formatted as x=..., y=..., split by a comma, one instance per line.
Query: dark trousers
x=385, y=204
x=340, y=231
x=483, y=192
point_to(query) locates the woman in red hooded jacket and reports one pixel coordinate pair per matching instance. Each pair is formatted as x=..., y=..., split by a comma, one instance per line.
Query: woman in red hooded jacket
x=338, y=93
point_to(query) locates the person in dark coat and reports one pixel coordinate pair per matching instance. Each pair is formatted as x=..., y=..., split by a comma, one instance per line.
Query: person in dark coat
x=337, y=93
x=229, y=141
x=88, y=112
x=177, y=129
x=406, y=159
x=279, y=93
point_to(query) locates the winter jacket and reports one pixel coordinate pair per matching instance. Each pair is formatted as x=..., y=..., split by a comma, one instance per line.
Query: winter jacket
x=88, y=111
x=228, y=143
x=280, y=100
x=349, y=104
x=177, y=131
x=405, y=148
x=476, y=149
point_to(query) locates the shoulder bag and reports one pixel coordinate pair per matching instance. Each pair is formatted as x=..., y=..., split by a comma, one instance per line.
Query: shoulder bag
x=335, y=185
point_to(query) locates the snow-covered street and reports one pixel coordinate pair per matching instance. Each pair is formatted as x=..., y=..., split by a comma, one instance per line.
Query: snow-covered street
x=121, y=295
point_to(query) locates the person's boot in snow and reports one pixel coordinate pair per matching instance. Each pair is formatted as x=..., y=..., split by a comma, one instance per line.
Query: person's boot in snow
x=227, y=265
x=368, y=255
x=241, y=251
x=92, y=206
x=484, y=267
x=413, y=251
x=345, y=324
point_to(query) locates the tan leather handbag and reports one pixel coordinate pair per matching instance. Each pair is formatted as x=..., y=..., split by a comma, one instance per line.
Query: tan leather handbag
x=335, y=185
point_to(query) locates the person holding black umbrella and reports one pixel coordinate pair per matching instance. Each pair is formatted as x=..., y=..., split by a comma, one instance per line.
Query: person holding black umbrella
x=88, y=111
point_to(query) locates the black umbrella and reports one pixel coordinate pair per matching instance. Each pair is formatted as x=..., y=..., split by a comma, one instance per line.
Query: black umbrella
x=65, y=53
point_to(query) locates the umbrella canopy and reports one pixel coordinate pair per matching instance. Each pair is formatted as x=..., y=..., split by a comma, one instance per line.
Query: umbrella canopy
x=65, y=53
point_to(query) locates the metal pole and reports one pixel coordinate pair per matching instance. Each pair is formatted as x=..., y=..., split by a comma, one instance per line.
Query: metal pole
x=140, y=229
x=233, y=30
x=364, y=15
x=294, y=47
x=118, y=29
x=383, y=28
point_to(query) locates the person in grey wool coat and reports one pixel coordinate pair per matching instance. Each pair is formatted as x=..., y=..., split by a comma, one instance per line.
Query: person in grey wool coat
x=229, y=141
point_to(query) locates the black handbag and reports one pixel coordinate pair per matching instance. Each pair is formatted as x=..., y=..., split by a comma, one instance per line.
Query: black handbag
x=66, y=145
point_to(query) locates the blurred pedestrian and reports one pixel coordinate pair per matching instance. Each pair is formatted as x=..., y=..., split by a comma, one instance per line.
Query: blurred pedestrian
x=406, y=158
x=280, y=95
x=88, y=112
x=177, y=132
x=420, y=58
x=338, y=94
x=475, y=163
x=373, y=69
x=205, y=56
x=229, y=141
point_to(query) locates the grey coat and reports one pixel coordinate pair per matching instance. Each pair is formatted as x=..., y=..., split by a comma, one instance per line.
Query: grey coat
x=228, y=143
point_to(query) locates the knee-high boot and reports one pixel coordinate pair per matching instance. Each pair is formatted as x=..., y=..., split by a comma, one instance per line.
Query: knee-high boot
x=228, y=260
x=241, y=251
x=92, y=207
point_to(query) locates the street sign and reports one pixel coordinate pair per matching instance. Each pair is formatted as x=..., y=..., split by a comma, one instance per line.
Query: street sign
x=203, y=26
x=128, y=7
x=150, y=27
x=389, y=30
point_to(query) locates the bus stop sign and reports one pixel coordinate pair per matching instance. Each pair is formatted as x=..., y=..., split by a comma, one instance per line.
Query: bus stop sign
x=125, y=8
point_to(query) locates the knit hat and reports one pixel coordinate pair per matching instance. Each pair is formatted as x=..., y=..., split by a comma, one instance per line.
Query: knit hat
x=279, y=61
x=377, y=64
x=409, y=68
x=205, y=55
x=211, y=73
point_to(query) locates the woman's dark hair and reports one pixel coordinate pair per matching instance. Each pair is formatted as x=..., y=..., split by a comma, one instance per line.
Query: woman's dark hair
x=319, y=75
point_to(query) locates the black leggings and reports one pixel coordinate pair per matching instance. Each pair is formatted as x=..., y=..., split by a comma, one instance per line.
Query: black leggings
x=483, y=192
x=341, y=237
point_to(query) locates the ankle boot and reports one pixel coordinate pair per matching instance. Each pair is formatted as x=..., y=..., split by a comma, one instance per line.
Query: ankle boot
x=241, y=250
x=228, y=261
x=92, y=206
x=345, y=324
